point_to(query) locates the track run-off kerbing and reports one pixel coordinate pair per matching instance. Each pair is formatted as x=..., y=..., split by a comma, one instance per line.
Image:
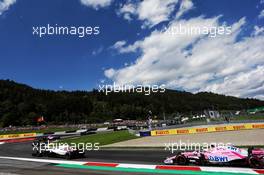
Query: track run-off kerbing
x=143, y=168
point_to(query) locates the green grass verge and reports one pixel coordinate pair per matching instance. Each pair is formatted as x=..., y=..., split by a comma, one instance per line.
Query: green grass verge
x=102, y=138
x=37, y=131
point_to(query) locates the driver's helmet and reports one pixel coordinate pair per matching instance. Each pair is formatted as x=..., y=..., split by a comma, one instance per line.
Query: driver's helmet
x=212, y=146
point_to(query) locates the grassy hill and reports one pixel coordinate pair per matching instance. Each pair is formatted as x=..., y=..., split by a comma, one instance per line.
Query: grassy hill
x=21, y=104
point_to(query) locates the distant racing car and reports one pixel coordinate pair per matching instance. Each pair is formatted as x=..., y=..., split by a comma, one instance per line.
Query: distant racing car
x=41, y=149
x=222, y=155
x=53, y=137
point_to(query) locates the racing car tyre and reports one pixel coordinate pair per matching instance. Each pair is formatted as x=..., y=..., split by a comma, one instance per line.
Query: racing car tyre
x=255, y=162
x=68, y=156
x=37, y=154
x=250, y=151
x=181, y=160
x=201, y=160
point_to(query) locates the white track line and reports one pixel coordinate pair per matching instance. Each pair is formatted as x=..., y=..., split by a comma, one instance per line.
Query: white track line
x=124, y=165
x=229, y=169
x=1, y=143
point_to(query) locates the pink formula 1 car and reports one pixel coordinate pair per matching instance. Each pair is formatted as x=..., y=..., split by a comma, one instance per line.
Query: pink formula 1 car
x=224, y=155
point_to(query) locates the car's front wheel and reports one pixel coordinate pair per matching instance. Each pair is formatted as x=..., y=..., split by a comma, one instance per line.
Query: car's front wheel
x=181, y=160
x=201, y=160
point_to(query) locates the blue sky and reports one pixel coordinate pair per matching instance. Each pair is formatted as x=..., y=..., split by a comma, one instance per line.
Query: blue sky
x=71, y=63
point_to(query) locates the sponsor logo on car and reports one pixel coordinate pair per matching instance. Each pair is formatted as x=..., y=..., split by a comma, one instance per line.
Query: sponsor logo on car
x=233, y=148
x=218, y=158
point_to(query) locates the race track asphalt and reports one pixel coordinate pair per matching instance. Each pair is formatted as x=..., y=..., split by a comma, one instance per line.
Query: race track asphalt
x=24, y=150
x=124, y=156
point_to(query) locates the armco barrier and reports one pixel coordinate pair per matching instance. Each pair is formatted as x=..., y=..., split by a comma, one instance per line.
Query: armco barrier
x=221, y=128
x=15, y=136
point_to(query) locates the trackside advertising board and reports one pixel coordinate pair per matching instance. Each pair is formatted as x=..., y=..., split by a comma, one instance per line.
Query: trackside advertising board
x=220, y=128
x=15, y=136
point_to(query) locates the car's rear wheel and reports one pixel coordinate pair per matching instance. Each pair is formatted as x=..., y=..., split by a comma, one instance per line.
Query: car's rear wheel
x=37, y=154
x=68, y=156
x=181, y=160
x=255, y=162
x=83, y=156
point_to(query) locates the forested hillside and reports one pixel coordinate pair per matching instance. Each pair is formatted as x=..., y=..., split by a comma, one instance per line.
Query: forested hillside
x=22, y=105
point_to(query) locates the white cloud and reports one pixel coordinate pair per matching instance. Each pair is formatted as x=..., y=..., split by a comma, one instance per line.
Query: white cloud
x=5, y=4
x=96, y=4
x=249, y=83
x=109, y=73
x=127, y=10
x=97, y=51
x=225, y=64
x=261, y=97
x=119, y=45
x=152, y=12
x=258, y=30
x=155, y=11
x=185, y=6
x=261, y=15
